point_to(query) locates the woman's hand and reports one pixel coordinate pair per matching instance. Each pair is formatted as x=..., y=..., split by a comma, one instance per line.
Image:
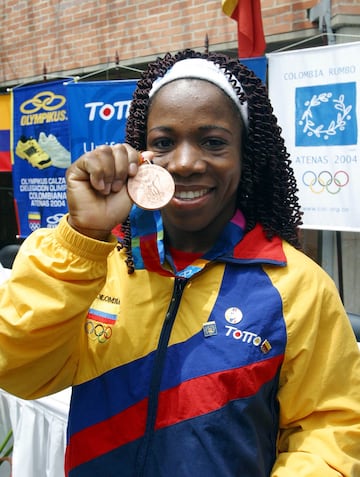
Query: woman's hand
x=96, y=189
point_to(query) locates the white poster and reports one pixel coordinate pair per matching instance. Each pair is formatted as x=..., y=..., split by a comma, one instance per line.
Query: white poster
x=315, y=94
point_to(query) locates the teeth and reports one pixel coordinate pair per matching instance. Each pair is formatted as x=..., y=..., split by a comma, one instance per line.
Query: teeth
x=188, y=195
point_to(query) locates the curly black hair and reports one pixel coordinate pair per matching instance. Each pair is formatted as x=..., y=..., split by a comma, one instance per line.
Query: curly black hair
x=267, y=189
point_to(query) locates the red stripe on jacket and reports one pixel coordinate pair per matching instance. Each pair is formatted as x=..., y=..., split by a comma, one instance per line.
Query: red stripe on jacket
x=190, y=399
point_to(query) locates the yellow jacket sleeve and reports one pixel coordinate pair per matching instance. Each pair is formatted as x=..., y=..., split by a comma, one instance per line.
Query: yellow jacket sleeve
x=319, y=393
x=58, y=270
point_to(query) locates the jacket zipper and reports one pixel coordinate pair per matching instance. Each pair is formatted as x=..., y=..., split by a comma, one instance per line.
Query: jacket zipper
x=143, y=453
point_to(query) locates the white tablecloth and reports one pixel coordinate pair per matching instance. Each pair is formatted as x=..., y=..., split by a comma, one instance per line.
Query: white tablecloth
x=39, y=430
x=39, y=434
x=4, y=273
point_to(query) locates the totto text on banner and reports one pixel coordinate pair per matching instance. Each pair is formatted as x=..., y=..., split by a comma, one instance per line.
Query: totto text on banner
x=98, y=111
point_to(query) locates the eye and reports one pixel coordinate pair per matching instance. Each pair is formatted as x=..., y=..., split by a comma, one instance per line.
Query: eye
x=214, y=143
x=160, y=144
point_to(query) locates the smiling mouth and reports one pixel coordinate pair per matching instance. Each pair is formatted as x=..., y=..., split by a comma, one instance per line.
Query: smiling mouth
x=190, y=195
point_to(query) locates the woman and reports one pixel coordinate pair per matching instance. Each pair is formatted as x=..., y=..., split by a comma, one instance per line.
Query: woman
x=201, y=341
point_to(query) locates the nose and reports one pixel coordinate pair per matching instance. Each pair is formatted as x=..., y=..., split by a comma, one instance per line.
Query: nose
x=185, y=160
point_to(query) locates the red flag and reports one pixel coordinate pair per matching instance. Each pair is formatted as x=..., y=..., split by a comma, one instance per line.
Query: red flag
x=247, y=13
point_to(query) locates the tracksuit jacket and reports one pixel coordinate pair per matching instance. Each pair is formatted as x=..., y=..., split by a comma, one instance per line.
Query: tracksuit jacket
x=242, y=365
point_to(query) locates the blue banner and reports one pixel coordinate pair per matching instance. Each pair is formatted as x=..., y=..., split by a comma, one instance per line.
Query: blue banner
x=98, y=111
x=40, y=154
x=257, y=65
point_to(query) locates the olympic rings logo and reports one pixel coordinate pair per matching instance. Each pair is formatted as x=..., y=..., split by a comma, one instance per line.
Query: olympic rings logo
x=34, y=226
x=46, y=100
x=54, y=219
x=325, y=180
x=98, y=331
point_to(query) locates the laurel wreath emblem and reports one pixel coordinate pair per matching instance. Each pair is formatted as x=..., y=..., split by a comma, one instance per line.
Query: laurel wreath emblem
x=342, y=116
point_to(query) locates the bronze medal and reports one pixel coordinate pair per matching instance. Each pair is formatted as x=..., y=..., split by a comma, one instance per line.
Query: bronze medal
x=152, y=188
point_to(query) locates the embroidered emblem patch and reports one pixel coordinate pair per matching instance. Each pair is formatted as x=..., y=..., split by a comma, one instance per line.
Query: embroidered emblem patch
x=101, y=318
x=265, y=346
x=209, y=329
x=233, y=315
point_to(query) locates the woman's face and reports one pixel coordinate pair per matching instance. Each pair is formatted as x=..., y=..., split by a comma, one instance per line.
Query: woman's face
x=195, y=132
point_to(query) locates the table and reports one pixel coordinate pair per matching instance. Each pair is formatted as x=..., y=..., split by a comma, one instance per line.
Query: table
x=39, y=434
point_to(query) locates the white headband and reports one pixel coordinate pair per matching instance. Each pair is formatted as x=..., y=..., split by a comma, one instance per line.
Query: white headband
x=199, y=68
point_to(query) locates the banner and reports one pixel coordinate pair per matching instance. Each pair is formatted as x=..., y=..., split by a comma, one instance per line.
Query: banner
x=40, y=154
x=315, y=94
x=5, y=124
x=98, y=111
x=257, y=65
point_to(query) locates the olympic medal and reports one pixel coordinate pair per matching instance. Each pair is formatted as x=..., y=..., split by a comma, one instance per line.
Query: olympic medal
x=152, y=188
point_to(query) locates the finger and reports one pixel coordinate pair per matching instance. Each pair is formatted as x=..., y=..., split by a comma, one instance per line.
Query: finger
x=146, y=156
x=88, y=168
x=142, y=157
x=133, y=159
x=123, y=155
x=100, y=166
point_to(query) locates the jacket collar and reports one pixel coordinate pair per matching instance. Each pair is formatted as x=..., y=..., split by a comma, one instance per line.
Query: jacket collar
x=233, y=246
x=255, y=247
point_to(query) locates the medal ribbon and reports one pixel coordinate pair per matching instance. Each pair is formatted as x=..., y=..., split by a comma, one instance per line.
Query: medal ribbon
x=148, y=243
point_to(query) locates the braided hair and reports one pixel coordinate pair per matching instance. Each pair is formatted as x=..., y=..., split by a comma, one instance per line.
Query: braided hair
x=267, y=188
